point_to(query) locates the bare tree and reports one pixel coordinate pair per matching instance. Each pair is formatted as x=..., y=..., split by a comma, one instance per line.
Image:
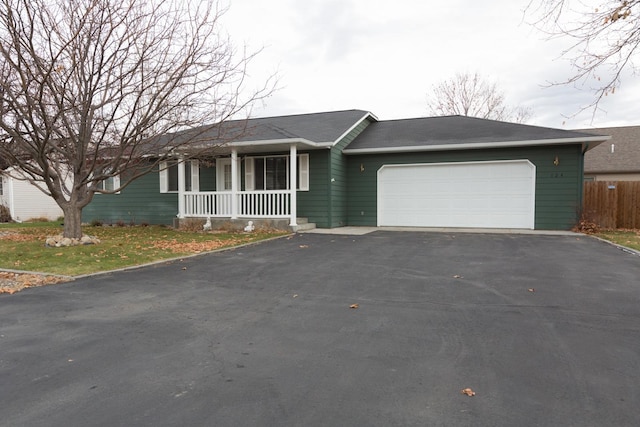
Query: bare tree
x=604, y=36
x=95, y=89
x=468, y=94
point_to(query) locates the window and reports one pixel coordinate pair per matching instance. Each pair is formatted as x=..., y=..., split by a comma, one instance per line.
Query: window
x=109, y=184
x=1, y=182
x=169, y=176
x=272, y=173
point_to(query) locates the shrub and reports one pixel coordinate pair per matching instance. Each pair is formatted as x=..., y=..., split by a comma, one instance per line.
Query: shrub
x=96, y=223
x=38, y=219
x=191, y=224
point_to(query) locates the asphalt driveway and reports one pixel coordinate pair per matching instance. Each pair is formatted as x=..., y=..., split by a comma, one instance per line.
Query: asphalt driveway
x=545, y=330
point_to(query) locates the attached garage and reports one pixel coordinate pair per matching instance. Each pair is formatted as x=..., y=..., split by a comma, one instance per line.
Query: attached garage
x=491, y=194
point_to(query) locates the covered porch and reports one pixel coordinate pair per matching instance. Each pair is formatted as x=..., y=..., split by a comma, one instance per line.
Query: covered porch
x=231, y=201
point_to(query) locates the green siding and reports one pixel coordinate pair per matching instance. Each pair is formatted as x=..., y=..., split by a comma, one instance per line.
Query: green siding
x=141, y=201
x=313, y=204
x=558, y=188
x=338, y=196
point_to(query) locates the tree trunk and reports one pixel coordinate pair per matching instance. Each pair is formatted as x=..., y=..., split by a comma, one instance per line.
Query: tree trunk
x=72, y=222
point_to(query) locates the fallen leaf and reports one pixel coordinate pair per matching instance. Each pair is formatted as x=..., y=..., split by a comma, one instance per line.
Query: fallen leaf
x=295, y=295
x=59, y=254
x=531, y=290
x=304, y=246
x=457, y=276
x=468, y=392
x=354, y=306
x=184, y=268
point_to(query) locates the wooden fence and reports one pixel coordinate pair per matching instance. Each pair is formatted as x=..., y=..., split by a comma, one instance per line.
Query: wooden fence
x=612, y=204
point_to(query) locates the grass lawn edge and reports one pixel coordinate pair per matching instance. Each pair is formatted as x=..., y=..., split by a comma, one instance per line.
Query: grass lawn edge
x=178, y=258
x=15, y=287
x=617, y=245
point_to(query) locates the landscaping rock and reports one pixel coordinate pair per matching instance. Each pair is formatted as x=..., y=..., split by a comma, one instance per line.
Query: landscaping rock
x=61, y=241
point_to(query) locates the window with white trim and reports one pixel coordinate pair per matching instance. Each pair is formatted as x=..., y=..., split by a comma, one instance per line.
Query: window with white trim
x=272, y=173
x=169, y=176
x=109, y=184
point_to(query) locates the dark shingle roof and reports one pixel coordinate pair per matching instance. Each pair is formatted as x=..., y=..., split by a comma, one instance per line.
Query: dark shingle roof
x=317, y=130
x=454, y=132
x=315, y=127
x=626, y=153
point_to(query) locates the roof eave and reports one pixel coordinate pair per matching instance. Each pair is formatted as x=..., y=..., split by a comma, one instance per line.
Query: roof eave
x=477, y=145
x=297, y=141
x=356, y=124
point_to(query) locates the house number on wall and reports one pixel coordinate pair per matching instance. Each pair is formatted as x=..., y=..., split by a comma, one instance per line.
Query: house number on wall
x=557, y=175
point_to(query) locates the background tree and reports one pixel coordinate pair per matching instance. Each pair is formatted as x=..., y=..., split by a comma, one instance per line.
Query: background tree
x=468, y=94
x=604, y=36
x=94, y=89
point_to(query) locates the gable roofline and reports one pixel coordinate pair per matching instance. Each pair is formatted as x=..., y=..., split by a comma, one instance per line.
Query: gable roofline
x=299, y=140
x=443, y=133
x=368, y=114
x=476, y=145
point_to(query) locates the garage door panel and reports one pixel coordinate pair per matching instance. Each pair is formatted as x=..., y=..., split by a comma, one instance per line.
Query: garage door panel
x=497, y=194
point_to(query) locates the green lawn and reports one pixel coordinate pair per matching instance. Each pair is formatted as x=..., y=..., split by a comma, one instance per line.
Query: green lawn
x=628, y=238
x=22, y=247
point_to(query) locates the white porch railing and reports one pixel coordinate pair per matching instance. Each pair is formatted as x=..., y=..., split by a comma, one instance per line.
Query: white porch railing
x=251, y=204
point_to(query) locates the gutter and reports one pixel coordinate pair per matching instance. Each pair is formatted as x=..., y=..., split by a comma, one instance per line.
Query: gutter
x=475, y=145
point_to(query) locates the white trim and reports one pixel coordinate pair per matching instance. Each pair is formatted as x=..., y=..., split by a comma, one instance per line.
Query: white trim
x=116, y=184
x=164, y=177
x=304, y=141
x=221, y=163
x=293, y=177
x=234, y=184
x=304, y=172
x=249, y=172
x=195, y=175
x=368, y=114
x=181, y=188
x=474, y=145
x=532, y=201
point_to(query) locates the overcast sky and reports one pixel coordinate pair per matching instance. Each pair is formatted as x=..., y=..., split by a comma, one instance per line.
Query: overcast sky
x=384, y=56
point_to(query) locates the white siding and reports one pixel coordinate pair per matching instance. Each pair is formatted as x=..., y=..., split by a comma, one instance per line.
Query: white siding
x=26, y=201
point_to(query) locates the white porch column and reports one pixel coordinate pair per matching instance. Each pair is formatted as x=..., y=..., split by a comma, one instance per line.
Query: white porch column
x=293, y=181
x=234, y=183
x=181, y=187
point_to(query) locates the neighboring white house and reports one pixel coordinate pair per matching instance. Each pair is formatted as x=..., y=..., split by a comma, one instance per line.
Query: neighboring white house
x=25, y=201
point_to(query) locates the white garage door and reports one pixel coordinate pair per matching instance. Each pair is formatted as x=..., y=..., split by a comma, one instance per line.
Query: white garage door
x=499, y=194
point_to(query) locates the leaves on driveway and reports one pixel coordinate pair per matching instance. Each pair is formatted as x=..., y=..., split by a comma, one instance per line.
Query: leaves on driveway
x=354, y=306
x=468, y=392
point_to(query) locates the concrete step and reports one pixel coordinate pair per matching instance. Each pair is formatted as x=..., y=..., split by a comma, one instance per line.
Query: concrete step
x=304, y=226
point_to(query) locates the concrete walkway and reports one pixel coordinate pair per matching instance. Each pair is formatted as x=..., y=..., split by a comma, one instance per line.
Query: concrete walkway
x=361, y=231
